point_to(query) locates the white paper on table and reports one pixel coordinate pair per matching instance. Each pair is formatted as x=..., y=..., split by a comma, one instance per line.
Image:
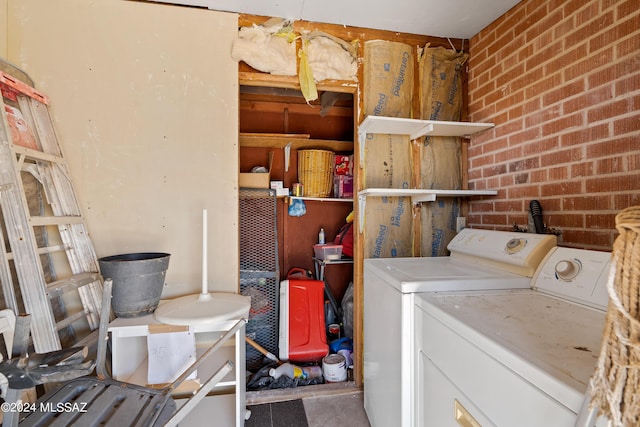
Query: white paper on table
x=170, y=354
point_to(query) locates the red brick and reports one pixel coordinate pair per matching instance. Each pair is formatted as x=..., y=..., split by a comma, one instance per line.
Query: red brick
x=615, y=146
x=520, y=219
x=583, y=136
x=587, y=12
x=633, y=162
x=627, y=125
x=524, y=164
x=588, y=98
x=536, y=146
x=565, y=57
x=564, y=92
x=559, y=173
x=613, y=109
x=508, y=128
x=521, y=178
x=562, y=124
x=579, y=85
x=482, y=161
x=587, y=203
x=629, y=46
x=561, y=188
x=523, y=191
x=493, y=182
x=540, y=175
x=499, y=219
x=509, y=154
x=606, y=75
x=623, y=201
x=494, y=170
x=543, y=116
x=534, y=23
x=601, y=221
x=551, y=204
x=629, y=84
x=582, y=169
x=608, y=184
x=610, y=165
x=483, y=206
x=615, y=33
x=527, y=135
x=585, y=32
x=592, y=239
x=559, y=157
x=544, y=85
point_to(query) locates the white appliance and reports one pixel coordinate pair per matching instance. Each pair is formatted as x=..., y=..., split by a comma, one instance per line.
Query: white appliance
x=480, y=259
x=513, y=357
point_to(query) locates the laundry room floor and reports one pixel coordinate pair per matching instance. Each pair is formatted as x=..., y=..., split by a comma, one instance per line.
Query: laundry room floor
x=323, y=407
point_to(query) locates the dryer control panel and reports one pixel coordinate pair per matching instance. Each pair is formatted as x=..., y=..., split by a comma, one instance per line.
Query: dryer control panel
x=575, y=274
x=519, y=253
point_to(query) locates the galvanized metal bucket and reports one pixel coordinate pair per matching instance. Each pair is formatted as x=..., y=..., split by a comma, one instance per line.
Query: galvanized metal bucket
x=138, y=279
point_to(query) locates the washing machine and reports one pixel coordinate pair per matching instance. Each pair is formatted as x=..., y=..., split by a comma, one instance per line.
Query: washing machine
x=479, y=260
x=513, y=357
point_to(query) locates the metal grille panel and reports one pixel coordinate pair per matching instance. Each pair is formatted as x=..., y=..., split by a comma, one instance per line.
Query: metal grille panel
x=259, y=273
x=258, y=225
x=262, y=326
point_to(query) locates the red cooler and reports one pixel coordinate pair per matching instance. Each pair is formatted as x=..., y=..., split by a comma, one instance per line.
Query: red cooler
x=302, y=332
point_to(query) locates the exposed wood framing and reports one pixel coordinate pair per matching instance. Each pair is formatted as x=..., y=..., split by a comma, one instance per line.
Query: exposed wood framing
x=252, y=77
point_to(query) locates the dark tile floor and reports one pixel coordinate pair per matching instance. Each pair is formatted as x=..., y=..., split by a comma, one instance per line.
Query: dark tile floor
x=323, y=406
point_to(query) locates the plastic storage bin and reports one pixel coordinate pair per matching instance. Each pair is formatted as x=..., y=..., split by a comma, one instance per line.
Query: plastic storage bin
x=302, y=328
x=327, y=251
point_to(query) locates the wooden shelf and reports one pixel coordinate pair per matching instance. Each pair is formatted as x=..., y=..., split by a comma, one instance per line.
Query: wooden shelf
x=297, y=141
x=322, y=199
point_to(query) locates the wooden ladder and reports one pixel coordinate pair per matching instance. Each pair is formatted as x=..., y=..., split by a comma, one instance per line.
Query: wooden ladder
x=49, y=262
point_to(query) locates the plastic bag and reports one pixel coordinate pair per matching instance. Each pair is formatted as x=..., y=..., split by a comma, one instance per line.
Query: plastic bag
x=297, y=208
x=347, y=311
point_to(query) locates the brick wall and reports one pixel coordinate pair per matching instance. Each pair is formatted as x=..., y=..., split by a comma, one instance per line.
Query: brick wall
x=561, y=81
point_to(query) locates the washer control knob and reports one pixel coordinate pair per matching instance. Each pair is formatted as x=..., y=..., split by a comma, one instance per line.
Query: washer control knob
x=567, y=269
x=515, y=245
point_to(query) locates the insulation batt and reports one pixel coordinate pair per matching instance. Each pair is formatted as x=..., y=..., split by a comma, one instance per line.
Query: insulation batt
x=329, y=60
x=264, y=51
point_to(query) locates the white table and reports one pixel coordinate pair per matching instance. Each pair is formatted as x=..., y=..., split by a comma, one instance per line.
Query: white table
x=129, y=354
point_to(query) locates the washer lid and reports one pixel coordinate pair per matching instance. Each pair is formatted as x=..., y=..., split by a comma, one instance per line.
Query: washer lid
x=441, y=274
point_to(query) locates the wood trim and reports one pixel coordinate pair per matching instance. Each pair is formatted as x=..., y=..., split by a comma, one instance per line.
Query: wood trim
x=349, y=33
x=269, y=140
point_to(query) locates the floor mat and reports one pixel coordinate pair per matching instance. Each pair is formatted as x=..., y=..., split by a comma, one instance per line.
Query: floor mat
x=280, y=414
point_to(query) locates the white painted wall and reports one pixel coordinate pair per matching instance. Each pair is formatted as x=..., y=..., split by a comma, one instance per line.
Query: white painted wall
x=144, y=99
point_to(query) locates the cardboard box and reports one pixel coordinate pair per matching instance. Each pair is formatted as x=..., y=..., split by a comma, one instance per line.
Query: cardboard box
x=343, y=165
x=256, y=179
x=343, y=186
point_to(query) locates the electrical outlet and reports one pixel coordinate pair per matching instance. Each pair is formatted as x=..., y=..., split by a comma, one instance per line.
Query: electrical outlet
x=461, y=222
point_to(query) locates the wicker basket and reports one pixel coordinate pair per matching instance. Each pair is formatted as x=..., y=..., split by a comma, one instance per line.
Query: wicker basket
x=315, y=172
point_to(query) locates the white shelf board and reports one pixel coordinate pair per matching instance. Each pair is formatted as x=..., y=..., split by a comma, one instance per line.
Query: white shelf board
x=415, y=128
x=417, y=196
